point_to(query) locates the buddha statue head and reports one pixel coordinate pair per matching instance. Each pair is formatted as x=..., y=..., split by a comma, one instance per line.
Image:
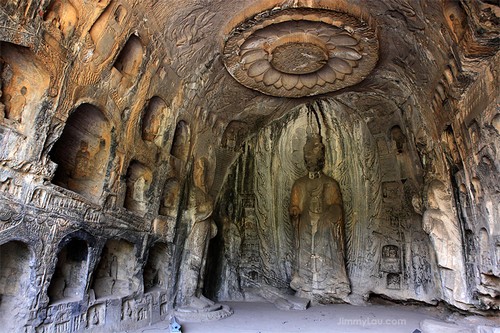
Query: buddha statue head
x=314, y=153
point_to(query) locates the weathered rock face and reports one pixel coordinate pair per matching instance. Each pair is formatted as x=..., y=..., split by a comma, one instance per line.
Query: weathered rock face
x=106, y=108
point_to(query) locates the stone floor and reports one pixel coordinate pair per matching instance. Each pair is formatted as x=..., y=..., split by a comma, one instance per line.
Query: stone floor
x=266, y=318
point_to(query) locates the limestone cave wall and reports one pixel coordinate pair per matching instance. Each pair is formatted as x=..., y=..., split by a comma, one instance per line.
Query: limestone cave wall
x=107, y=106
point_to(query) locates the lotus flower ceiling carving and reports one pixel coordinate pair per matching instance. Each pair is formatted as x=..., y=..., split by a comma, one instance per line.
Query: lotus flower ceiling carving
x=300, y=52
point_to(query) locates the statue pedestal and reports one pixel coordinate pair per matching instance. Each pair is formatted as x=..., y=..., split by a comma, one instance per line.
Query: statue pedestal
x=202, y=309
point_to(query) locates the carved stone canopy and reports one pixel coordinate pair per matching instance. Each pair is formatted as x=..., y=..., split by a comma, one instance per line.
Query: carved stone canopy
x=299, y=52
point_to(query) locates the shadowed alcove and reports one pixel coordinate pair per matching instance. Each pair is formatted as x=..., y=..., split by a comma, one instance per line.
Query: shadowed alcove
x=15, y=276
x=69, y=280
x=201, y=159
x=82, y=152
x=156, y=272
x=116, y=273
x=154, y=113
x=23, y=82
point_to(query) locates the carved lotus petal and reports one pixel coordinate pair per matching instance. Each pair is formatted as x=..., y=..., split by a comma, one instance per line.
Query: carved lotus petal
x=310, y=17
x=278, y=84
x=252, y=56
x=271, y=77
x=320, y=81
x=266, y=33
x=253, y=42
x=258, y=68
x=309, y=80
x=340, y=76
x=345, y=52
x=343, y=40
x=327, y=74
x=340, y=65
x=289, y=81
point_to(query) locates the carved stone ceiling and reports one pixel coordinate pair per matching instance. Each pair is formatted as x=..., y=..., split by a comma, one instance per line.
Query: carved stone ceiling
x=244, y=57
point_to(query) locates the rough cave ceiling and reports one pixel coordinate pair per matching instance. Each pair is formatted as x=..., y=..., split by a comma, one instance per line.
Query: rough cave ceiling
x=113, y=112
x=417, y=44
x=415, y=48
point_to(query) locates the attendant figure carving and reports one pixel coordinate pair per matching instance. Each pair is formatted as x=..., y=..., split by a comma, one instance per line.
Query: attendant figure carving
x=317, y=216
x=82, y=166
x=203, y=228
x=441, y=223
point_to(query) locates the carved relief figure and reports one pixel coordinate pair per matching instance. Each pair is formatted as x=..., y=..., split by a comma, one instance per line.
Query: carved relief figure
x=16, y=104
x=115, y=178
x=441, y=223
x=317, y=216
x=203, y=229
x=170, y=200
x=391, y=262
x=83, y=165
x=63, y=16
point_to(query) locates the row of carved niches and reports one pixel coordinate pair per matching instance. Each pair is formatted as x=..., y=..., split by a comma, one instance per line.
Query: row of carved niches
x=118, y=274
x=302, y=51
x=390, y=266
x=107, y=29
x=62, y=19
x=475, y=32
x=23, y=84
x=475, y=176
x=82, y=155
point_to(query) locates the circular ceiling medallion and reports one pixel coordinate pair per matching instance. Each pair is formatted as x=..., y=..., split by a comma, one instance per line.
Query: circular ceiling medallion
x=299, y=52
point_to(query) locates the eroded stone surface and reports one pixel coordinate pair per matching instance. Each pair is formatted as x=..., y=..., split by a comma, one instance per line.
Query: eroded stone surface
x=106, y=107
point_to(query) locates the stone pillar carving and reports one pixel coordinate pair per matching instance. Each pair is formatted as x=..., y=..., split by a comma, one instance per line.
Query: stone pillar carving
x=317, y=216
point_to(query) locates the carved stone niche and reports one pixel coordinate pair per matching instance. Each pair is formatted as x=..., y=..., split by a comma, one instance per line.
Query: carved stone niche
x=23, y=84
x=234, y=135
x=391, y=259
x=139, y=178
x=82, y=152
x=15, y=274
x=307, y=50
x=456, y=19
x=170, y=198
x=107, y=28
x=116, y=274
x=398, y=139
x=393, y=281
x=156, y=271
x=152, y=120
x=182, y=141
x=96, y=315
x=128, y=62
x=63, y=16
x=70, y=276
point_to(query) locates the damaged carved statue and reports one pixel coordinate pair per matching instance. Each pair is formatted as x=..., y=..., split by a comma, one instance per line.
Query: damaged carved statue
x=317, y=217
x=192, y=305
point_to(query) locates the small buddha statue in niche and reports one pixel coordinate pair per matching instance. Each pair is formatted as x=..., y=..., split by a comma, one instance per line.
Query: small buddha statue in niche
x=317, y=216
x=82, y=167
